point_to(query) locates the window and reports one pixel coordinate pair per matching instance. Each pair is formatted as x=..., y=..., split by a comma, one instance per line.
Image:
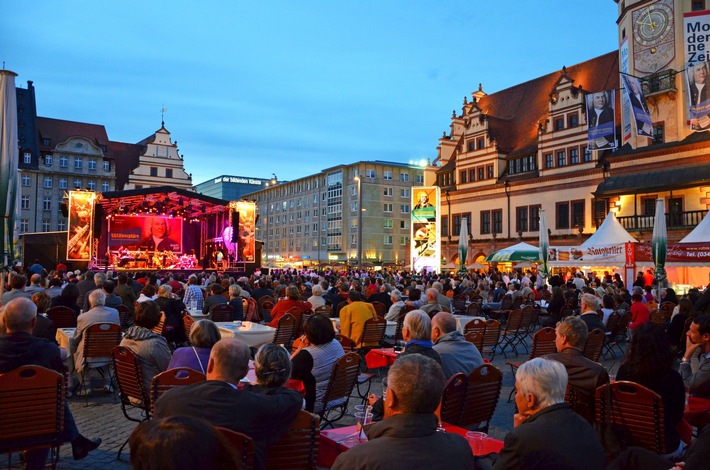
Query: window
x=472, y=175
x=387, y=175
x=62, y=225
x=562, y=215
x=601, y=209
x=104, y=186
x=403, y=224
x=481, y=143
x=521, y=219
x=47, y=160
x=92, y=163
x=25, y=201
x=77, y=184
x=25, y=180
x=485, y=222
x=405, y=193
x=472, y=146
x=559, y=123
x=47, y=182
x=573, y=120
x=404, y=208
x=388, y=223
x=63, y=161
x=404, y=241
x=481, y=174
x=648, y=205
x=587, y=154
x=462, y=177
x=658, y=133
x=444, y=226
x=24, y=225
x=353, y=191
x=47, y=203
x=78, y=163
x=27, y=157
x=46, y=225
x=420, y=179
x=370, y=174
x=107, y=165
x=388, y=239
x=91, y=185
x=573, y=156
x=388, y=192
x=578, y=213
x=168, y=172
x=561, y=160
x=62, y=183
x=456, y=228
x=497, y=220
x=535, y=218
x=698, y=5
x=153, y=171
x=387, y=208
x=548, y=161
x=353, y=207
x=404, y=177
x=490, y=170
x=46, y=142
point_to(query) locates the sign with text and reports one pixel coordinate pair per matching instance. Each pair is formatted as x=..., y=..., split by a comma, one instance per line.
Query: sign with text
x=152, y=233
x=696, y=33
x=425, y=244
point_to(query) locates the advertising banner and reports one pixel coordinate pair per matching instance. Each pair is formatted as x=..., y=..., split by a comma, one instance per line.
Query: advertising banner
x=425, y=248
x=246, y=246
x=600, y=255
x=684, y=253
x=625, y=105
x=696, y=27
x=601, y=120
x=81, y=222
x=152, y=233
x=633, y=93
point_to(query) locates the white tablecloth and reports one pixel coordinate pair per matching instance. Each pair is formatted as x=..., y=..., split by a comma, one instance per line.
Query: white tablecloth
x=390, y=331
x=462, y=321
x=198, y=315
x=63, y=337
x=252, y=334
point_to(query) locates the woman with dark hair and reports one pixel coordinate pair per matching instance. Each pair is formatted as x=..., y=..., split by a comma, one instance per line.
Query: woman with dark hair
x=180, y=443
x=150, y=347
x=68, y=298
x=671, y=296
x=293, y=299
x=203, y=335
x=554, y=307
x=607, y=307
x=649, y=362
x=272, y=367
x=675, y=329
x=313, y=360
x=44, y=327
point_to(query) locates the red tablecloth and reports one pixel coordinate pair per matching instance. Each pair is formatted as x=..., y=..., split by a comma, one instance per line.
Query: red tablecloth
x=697, y=411
x=377, y=358
x=333, y=442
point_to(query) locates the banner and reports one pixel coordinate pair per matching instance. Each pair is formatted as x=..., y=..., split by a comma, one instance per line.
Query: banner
x=696, y=27
x=246, y=248
x=601, y=120
x=686, y=253
x=636, y=99
x=425, y=249
x=81, y=222
x=151, y=233
x=600, y=255
x=625, y=105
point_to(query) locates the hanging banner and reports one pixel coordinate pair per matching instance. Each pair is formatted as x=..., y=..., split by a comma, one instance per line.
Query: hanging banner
x=625, y=105
x=425, y=249
x=601, y=255
x=633, y=93
x=601, y=120
x=246, y=246
x=81, y=222
x=696, y=26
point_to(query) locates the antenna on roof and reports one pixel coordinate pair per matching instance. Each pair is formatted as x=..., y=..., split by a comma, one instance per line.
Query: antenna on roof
x=162, y=115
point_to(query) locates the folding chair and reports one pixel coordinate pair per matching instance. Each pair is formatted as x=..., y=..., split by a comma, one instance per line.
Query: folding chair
x=474, y=310
x=297, y=449
x=509, y=336
x=373, y=333
x=459, y=302
x=483, y=389
x=594, y=345
x=266, y=304
x=241, y=444
x=99, y=341
x=159, y=327
x=123, y=317
x=63, y=317
x=324, y=310
x=221, y=313
x=380, y=308
x=187, y=322
x=616, y=332
x=453, y=398
x=543, y=343
x=131, y=391
x=172, y=378
x=475, y=337
x=343, y=378
x=285, y=330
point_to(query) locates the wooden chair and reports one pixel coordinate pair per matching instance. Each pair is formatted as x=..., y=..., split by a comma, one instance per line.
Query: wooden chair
x=474, y=310
x=635, y=409
x=482, y=394
x=301, y=327
x=581, y=402
x=221, y=313
x=373, y=332
x=453, y=399
x=595, y=344
x=266, y=304
x=131, y=391
x=172, y=378
x=251, y=313
x=526, y=324
x=460, y=303
x=546, y=295
x=543, y=343
x=505, y=307
x=187, y=322
x=380, y=308
x=285, y=330
x=656, y=316
x=509, y=336
x=324, y=310
x=490, y=330
x=99, y=341
x=343, y=378
x=241, y=444
x=347, y=344
x=123, y=317
x=63, y=317
x=159, y=327
x=475, y=337
x=32, y=411
x=667, y=309
x=616, y=332
x=297, y=449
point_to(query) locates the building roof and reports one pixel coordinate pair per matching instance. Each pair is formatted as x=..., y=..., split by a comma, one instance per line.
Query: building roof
x=59, y=130
x=127, y=158
x=655, y=180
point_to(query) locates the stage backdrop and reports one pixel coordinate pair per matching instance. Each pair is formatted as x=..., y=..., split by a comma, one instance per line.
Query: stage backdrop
x=425, y=247
x=81, y=222
x=247, y=227
x=154, y=233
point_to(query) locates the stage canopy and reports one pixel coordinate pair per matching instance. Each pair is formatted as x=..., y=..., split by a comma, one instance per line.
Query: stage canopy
x=163, y=200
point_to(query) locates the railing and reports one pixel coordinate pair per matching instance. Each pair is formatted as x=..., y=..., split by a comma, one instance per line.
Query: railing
x=659, y=82
x=674, y=220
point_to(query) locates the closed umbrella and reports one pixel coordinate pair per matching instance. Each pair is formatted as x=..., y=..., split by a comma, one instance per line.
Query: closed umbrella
x=463, y=244
x=544, y=243
x=659, y=243
x=8, y=164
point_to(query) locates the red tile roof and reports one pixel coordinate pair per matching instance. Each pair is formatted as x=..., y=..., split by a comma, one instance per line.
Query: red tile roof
x=58, y=131
x=127, y=159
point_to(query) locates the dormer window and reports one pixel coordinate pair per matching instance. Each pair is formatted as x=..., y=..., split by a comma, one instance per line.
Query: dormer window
x=46, y=142
x=27, y=157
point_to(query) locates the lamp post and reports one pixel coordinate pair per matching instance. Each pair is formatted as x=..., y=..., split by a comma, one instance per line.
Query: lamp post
x=359, y=222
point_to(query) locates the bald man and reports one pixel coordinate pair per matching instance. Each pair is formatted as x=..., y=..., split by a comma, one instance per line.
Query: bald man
x=457, y=354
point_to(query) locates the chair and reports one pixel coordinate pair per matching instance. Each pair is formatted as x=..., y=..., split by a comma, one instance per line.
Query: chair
x=581, y=402
x=123, y=317
x=509, y=336
x=343, y=378
x=635, y=409
x=99, y=341
x=266, y=304
x=543, y=343
x=474, y=310
x=453, y=398
x=482, y=394
x=301, y=327
x=297, y=449
x=380, y=308
x=526, y=323
x=546, y=295
x=667, y=309
x=131, y=391
x=63, y=317
x=324, y=310
x=187, y=322
x=241, y=445
x=616, y=332
x=158, y=329
x=505, y=307
x=595, y=344
x=490, y=330
x=373, y=332
x=656, y=316
x=285, y=330
x=172, y=378
x=32, y=410
x=221, y=313
x=460, y=303
x=251, y=312
x=475, y=337
x=347, y=344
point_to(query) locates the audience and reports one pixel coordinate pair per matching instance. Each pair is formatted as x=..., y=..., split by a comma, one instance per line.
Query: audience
x=203, y=336
x=292, y=300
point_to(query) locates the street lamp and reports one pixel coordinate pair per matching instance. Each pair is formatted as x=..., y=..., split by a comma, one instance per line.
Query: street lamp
x=359, y=222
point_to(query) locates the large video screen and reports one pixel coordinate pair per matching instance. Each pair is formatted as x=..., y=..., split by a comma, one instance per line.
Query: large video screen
x=152, y=233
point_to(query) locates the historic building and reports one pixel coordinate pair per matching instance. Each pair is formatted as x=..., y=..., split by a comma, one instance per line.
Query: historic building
x=314, y=219
x=511, y=153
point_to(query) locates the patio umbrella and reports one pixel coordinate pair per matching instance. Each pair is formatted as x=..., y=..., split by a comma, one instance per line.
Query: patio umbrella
x=463, y=244
x=544, y=243
x=659, y=243
x=8, y=164
x=520, y=252
x=476, y=266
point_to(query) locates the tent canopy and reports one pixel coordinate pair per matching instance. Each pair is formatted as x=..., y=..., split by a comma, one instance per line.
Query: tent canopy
x=520, y=252
x=609, y=233
x=701, y=233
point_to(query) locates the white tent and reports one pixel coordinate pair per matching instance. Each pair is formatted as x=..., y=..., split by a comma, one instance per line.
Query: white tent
x=701, y=233
x=609, y=233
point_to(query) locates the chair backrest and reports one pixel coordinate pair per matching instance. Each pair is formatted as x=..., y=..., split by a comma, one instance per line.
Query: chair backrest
x=123, y=317
x=482, y=394
x=63, y=317
x=656, y=316
x=526, y=321
x=380, y=308
x=475, y=325
x=546, y=295
x=567, y=312
x=460, y=302
x=324, y=310
x=475, y=337
x=473, y=310
x=347, y=344
x=623, y=325
x=187, y=322
x=285, y=329
x=100, y=339
x=159, y=327
x=172, y=378
x=297, y=449
x=241, y=444
x=492, y=334
x=581, y=402
x=453, y=399
x=342, y=378
x=373, y=332
x=221, y=313
x=129, y=378
x=595, y=344
x=507, y=302
x=518, y=302
x=612, y=323
x=400, y=321
x=301, y=326
x=31, y=408
x=515, y=320
x=543, y=342
x=667, y=307
x=635, y=409
x=251, y=311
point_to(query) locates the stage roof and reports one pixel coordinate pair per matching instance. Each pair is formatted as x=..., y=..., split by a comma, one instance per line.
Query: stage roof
x=165, y=200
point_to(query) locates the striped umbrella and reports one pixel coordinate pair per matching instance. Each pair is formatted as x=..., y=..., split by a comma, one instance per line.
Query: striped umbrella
x=544, y=244
x=659, y=243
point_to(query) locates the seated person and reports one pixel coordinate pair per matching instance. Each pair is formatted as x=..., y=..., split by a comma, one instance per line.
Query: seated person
x=457, y=354
x=173, y=308
x=292, y=300
x=235, y=301
x=214, y=298
x=44, y=327
x=354, y=315
x=272, y=367
x=67, y=298
x=698, y=341
x=203, y=336
x=396, y=307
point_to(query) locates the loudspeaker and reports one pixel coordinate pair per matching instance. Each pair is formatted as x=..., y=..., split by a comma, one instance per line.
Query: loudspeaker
x=235, y=227
x=98, y=220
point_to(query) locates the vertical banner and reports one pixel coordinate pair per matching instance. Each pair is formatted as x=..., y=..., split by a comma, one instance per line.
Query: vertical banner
x=246, y=245
x=625, y=105
x=634, y=96
x=696, y=27
x=425, y=249
x=81, y=221
x=600, y=120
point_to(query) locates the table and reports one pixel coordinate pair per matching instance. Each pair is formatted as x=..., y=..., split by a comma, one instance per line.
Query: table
x=334, y=442
x=198, y=315
x=252, y=334
x=390, y=331
x=380, y=357
x=463, y=320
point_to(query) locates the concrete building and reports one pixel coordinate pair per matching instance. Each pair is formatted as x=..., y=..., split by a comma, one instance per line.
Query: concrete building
x=314, y=220
x=512, y=153
x=229, y=187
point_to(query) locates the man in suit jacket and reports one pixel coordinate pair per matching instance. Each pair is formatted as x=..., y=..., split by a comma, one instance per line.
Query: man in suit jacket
x=698, y=383
x=98, y=313
x=263, y=417
x=547, y=432
x=590, y=316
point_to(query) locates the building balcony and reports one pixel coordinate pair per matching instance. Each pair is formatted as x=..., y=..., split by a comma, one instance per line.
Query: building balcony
x=661, y=82
x=674, y=220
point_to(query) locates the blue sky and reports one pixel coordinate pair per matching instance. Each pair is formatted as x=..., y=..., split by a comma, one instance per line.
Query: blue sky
x=288, y=87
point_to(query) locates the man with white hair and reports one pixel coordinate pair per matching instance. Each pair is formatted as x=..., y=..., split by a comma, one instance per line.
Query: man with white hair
x=98, y=313
x=590, y=316
x=457, y=354
x=431, y=305
x=316, y=299
x=547, y=432
x=396, y=307
x=99, y=279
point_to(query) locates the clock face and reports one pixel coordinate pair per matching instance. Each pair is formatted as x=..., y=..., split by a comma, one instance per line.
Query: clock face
x=652, y=25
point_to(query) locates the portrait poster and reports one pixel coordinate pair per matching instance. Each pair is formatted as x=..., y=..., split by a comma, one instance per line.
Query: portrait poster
x=425, y=248
x=81, y=222
x=625, y=105
x=601, y=117
x=636, y=99
x=246, y=248
x=150, y=233
x=697, y=80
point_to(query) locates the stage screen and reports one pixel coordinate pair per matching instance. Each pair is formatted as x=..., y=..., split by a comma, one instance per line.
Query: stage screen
x=246, y=247
x=152, y=233
x=81, y=221
x=426, y=240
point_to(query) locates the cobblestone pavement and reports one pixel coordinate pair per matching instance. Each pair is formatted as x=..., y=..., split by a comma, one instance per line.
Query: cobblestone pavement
x=103, y=418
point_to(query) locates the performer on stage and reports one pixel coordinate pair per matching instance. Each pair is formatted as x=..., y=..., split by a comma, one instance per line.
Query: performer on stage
x=159, y=239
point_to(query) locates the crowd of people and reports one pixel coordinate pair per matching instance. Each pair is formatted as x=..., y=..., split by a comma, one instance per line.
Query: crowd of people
x=435, y=349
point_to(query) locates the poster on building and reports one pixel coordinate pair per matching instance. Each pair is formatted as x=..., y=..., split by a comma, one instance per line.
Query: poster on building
x=425, y=248
x=246, y=245
x=625, y=105
x=601, y=120
x=634, y=97
x=151, y=233
x=81, y=222
x=696, y=27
